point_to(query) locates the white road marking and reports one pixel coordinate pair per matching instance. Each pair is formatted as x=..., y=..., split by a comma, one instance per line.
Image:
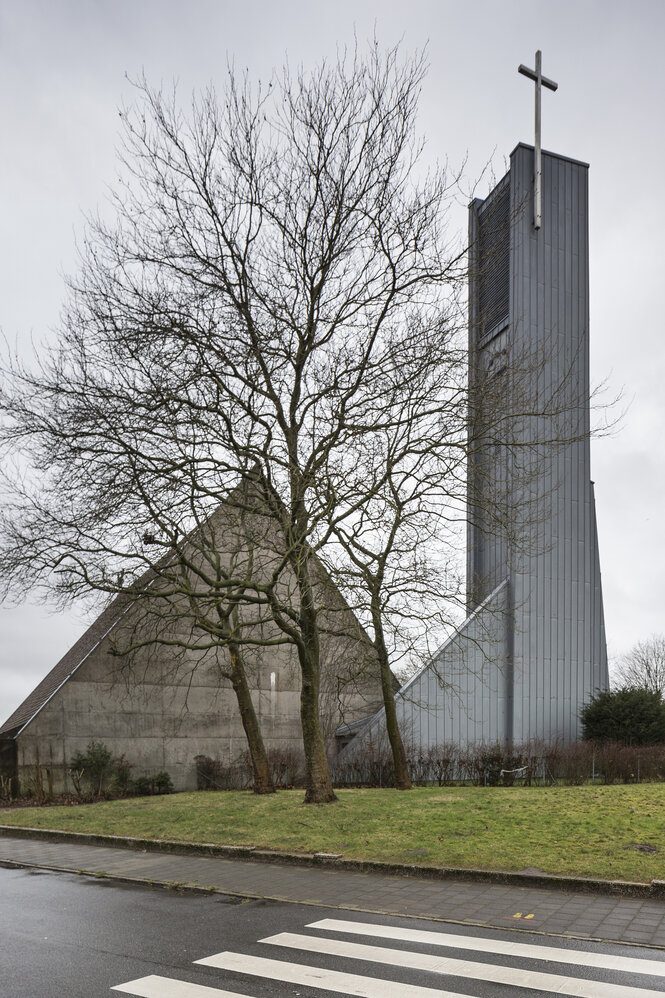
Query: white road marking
x=166, y=987
x=514, y=976
x=581, y=958
x=326, y=980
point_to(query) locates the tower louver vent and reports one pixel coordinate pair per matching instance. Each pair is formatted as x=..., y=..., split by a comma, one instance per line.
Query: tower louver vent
x=493, y=260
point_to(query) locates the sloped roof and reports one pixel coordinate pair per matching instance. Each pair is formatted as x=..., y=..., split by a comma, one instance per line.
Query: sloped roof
x=368, y=725
x=67, y=665
x=78, y=653
x=98, y=630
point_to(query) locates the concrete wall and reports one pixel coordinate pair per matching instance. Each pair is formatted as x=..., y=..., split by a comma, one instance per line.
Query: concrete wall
x=172, y=714
x=160, y=707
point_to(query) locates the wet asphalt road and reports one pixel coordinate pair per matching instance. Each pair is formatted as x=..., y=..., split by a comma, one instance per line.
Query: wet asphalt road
x=68, y=936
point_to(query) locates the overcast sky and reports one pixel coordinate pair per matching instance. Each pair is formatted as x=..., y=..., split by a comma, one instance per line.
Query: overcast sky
x=63, y=68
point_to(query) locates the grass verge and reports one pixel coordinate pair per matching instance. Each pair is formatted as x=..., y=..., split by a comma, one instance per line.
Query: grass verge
x=576, y=831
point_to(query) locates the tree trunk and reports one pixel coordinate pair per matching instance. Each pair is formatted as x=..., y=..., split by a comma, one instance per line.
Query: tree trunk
x=402, y=778
x=319, y=789
x=262, y=780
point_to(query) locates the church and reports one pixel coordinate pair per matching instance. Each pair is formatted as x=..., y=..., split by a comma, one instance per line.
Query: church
x=532, y=649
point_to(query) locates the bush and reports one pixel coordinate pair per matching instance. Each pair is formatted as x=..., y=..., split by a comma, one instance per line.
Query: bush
x=162, y=783
x=122, y=780
x=95, y=765
x=6, y=788
x=110, y=776
x=142, y=786
x=632, y=716
x=571, y=764
x=287, y=767
x=158, y=783
x=533, y=757
x=419, y=769
x=649, y=763
x=369, y=765
x=483, y=764
x=209, y=773
x=443, y=763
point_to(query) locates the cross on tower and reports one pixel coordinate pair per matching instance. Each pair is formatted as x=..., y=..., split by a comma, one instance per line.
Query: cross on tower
x=540, y=81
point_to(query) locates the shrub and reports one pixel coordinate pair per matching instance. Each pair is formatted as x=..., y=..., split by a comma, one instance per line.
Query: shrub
x=444, y=763
x=122, y=780
x=76, y=776
x=111, y=776
x=96, y=766
x=513, y=767
x=369, y=765
x=649, y=762
x=287, y=767
x=533, y=757
x=34, y=783
x=439, y=764
x=158, y=783
x=571, y=764
x=420, y=769
x=162, y=783
x=142, y=786
x=6, y=789
x=209, y=773
x=632, y=715
x=483, y=764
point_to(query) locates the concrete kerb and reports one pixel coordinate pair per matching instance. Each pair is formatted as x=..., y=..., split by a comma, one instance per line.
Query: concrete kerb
x=244, y=896
x=614, y=888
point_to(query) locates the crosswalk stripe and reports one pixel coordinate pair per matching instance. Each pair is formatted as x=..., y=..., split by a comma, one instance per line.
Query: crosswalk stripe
x=165, y=987
x=514, y=976
x=581, y=958
x=326, y=980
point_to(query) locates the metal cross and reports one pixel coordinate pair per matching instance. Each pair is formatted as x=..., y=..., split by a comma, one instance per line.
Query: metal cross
x=540, y=81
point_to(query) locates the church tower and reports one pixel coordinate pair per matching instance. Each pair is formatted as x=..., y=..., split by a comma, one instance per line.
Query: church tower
x=532, y=650
x=532, y=516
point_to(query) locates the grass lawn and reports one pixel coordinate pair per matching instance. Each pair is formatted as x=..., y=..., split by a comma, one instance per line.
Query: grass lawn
x=584, y=831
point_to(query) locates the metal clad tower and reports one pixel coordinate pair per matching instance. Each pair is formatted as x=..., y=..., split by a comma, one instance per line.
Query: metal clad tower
x=532, y=650
x=529, y=325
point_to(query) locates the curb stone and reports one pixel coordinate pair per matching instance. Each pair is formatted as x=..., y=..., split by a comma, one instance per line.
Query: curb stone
x=244, y=896
x=620, y=888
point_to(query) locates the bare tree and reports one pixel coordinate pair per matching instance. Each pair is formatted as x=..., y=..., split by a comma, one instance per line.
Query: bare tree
x=194, y=601
x=272, y=259
x=643, y=665
x=405, y=494
x=402, y=499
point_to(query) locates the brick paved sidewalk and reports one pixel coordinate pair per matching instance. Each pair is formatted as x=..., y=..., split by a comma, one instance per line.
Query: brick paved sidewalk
x=554, y=911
